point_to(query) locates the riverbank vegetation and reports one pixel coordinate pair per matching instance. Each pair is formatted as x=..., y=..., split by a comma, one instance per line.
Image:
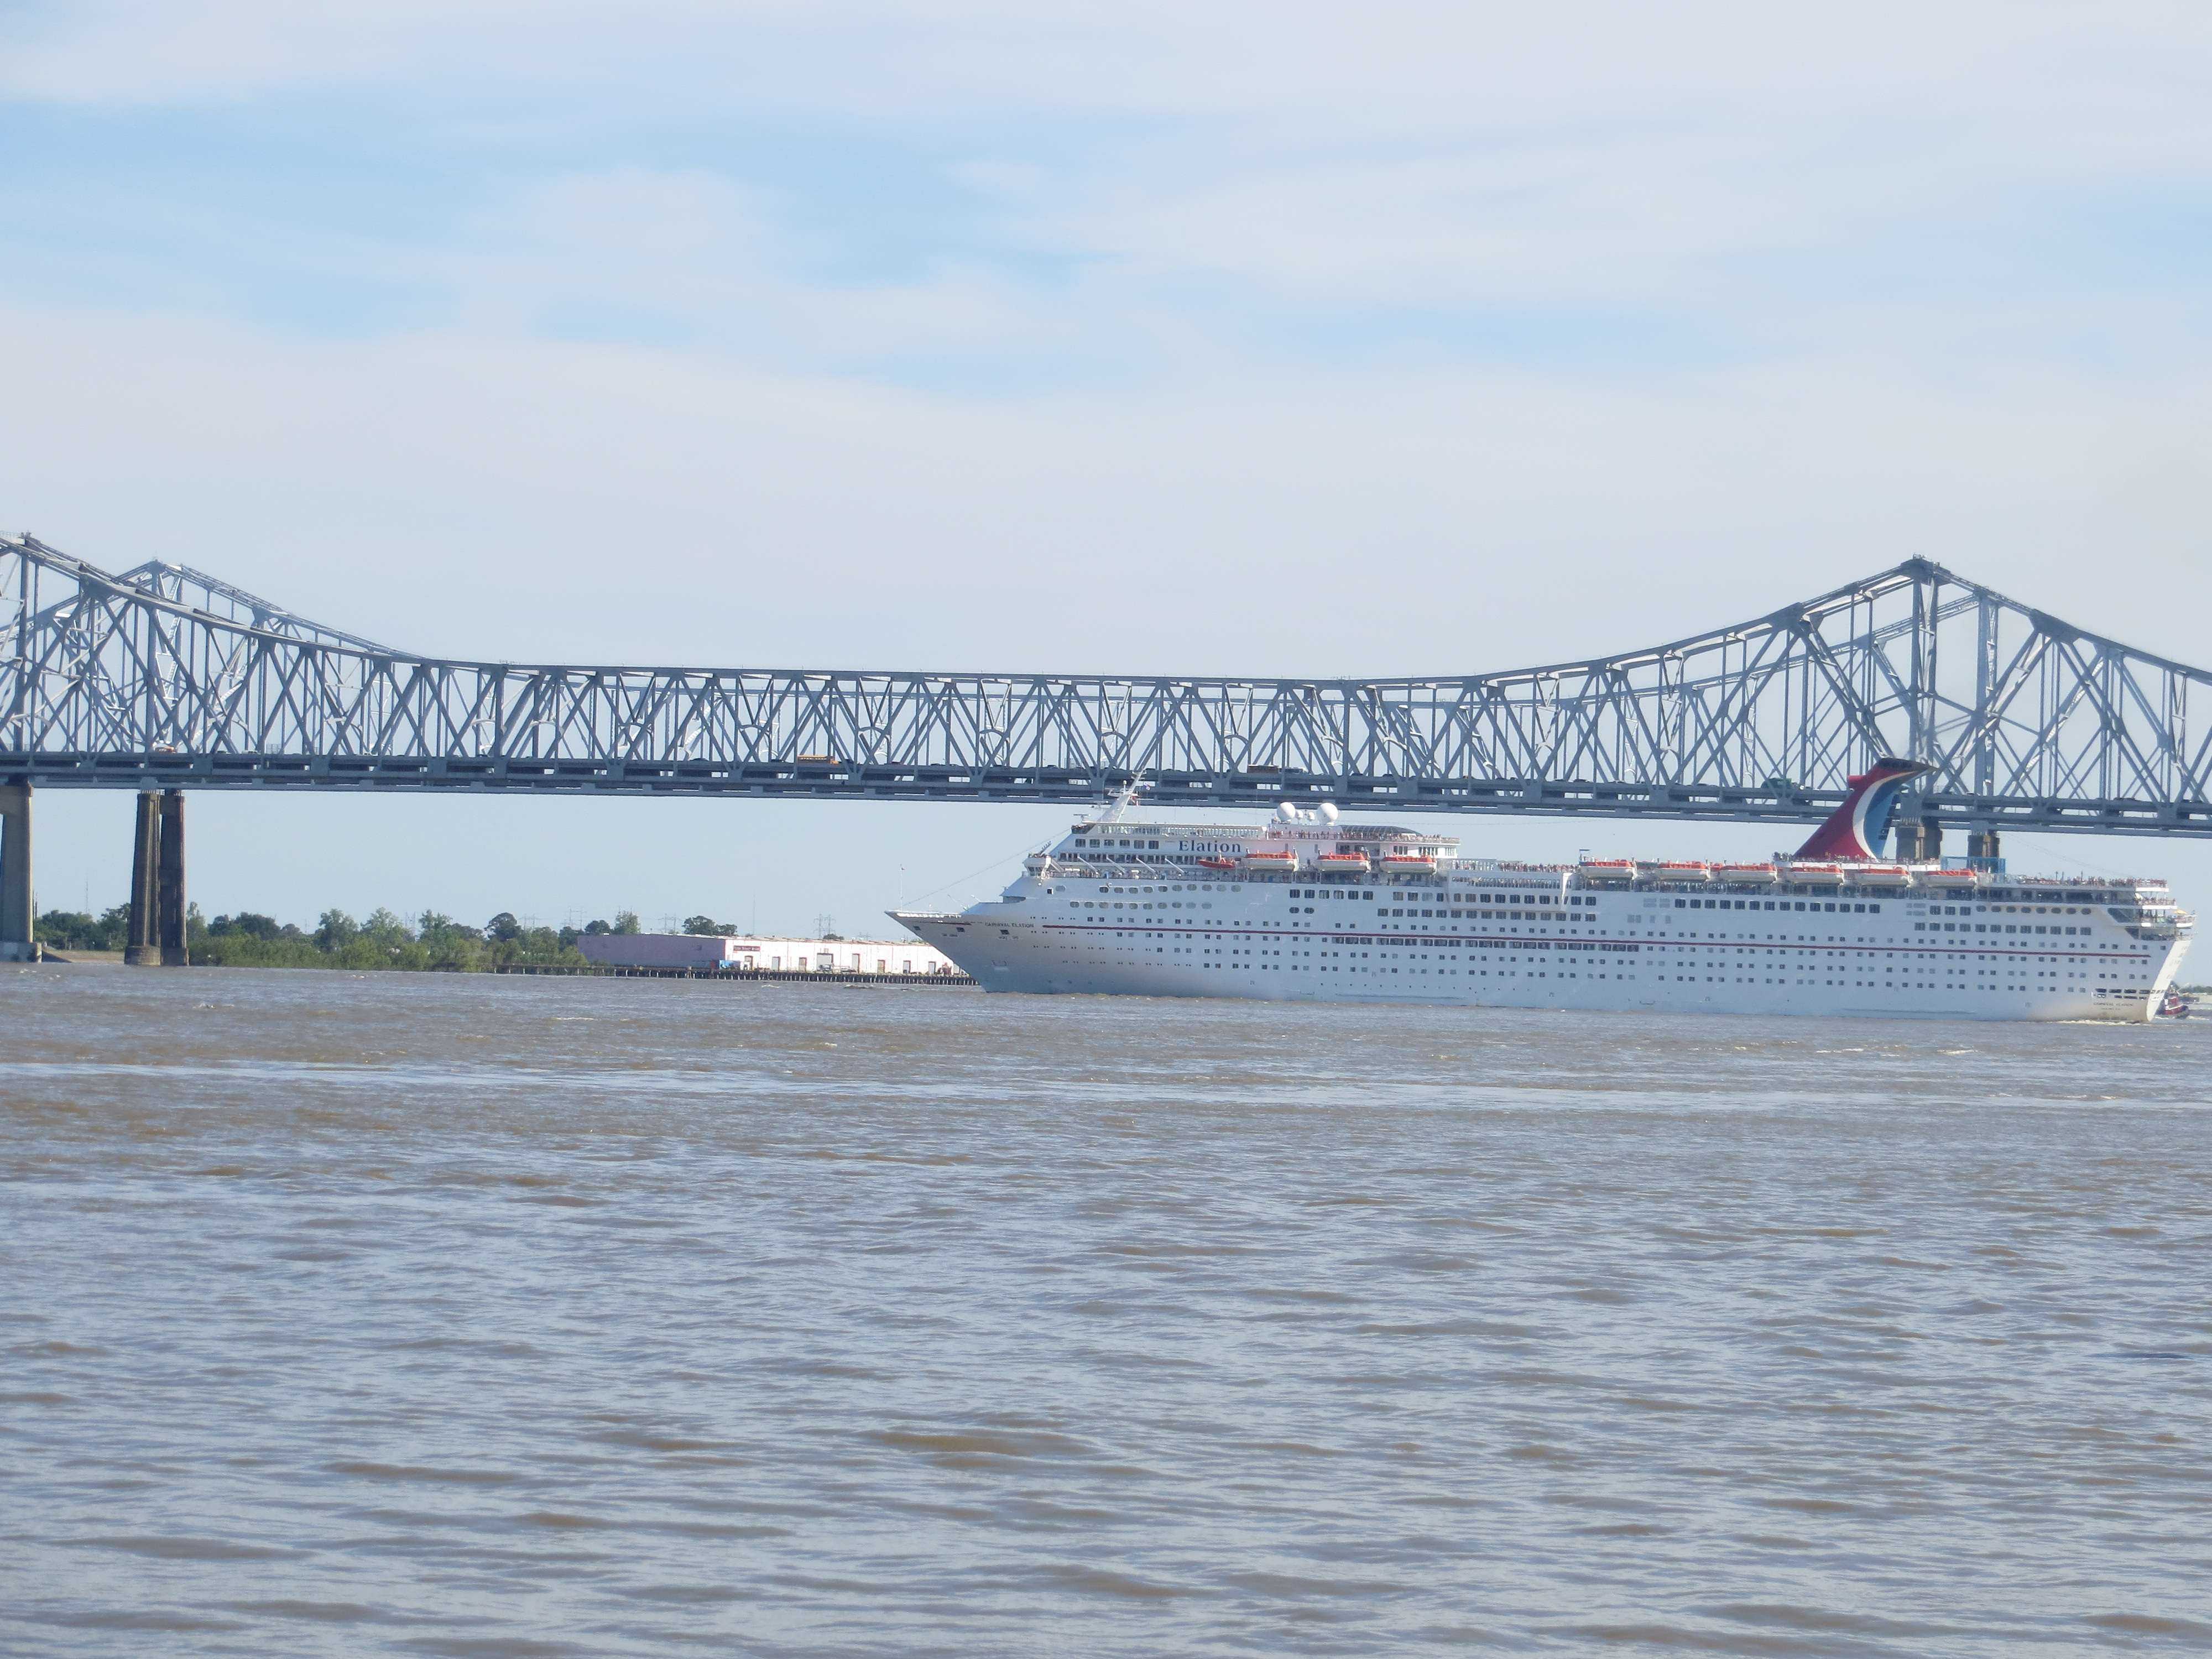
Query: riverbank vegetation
x=431, y=942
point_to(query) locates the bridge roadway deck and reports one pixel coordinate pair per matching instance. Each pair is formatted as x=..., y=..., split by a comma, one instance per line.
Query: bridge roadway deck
x=164, y=678
x=1257, y=787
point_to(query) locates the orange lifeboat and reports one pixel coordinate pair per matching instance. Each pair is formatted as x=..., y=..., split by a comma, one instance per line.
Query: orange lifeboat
x=1409, y=864
x=1608, y=869
x=1217, y=864
x=1343, y=864
x=1678, y=869
x=1743, y=872
x=1261, y=863
x=1815, y=875
x=1882, y=875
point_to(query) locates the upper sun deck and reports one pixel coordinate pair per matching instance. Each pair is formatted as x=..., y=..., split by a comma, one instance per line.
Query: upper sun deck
x=1298, y=845
x=1309, y=849
x=1310, y=831
x=1200, y=838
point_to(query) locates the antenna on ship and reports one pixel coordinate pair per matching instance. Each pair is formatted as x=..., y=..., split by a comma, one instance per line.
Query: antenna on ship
x=1124, y=800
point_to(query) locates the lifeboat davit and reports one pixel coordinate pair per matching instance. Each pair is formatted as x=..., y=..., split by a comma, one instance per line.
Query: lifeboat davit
x=1262, y=862
x=1344, y=863
x=1743, y=872
x=1678, y=869
x=1037, y=863
x=1882, y=875
x=1815, y=875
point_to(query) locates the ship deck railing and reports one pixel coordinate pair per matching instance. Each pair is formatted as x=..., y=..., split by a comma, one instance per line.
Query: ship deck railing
x=1171, y=869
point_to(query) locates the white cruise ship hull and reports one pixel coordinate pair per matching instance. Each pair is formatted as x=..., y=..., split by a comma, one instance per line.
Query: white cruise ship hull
x=1476, y=934
x=1864, y=978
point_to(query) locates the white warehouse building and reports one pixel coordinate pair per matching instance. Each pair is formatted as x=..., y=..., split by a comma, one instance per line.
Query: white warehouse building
x=747, y=953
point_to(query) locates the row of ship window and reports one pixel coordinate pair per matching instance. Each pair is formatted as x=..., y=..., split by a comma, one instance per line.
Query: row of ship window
x=1920, y=927
x=1548, y=915
x=1991, y=928
x=1108, y=904
x=1476, y=915
x=1470, y=973
x=1565, y=946
x=1778, y=904
x=1487, y=956
x=1370, y=896
x=2009, y=909
x=1180, y=887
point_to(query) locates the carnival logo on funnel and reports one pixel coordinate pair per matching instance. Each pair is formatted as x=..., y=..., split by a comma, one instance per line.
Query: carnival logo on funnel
x=1855, y=830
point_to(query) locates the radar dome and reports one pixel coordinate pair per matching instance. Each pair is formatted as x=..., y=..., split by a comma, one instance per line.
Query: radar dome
x=1328, y=812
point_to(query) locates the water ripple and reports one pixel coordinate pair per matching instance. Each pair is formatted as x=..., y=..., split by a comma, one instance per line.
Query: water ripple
x=419, y=1315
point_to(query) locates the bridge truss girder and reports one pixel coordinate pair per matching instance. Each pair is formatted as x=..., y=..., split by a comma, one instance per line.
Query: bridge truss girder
x=164, y=677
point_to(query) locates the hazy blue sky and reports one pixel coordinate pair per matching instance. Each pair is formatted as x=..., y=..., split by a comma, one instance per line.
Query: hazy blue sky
x=984, y=335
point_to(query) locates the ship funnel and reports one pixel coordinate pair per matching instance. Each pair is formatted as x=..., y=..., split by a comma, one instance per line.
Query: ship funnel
x=1855, y=830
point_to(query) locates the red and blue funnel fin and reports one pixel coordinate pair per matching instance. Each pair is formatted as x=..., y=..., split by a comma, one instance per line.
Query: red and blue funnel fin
x=1857, y=829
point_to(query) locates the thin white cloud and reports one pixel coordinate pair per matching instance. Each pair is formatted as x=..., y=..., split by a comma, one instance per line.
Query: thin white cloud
x=1183, y=338
x=1408, y=69
x=513, y=497
x=1228, y=298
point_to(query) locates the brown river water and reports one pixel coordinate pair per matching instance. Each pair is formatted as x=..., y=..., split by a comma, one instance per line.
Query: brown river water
x=427, y=1314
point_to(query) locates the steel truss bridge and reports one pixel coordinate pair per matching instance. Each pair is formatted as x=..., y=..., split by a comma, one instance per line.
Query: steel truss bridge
x=162, y=677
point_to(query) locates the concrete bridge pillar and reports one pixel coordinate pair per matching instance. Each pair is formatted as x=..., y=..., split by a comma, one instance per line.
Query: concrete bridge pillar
x=141, y=947
x=15, y=913
x=1919, y=841
x=170, y=880
x=1982, y=844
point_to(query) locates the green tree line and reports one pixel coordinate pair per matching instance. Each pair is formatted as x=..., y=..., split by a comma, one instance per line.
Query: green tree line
x=432, y=942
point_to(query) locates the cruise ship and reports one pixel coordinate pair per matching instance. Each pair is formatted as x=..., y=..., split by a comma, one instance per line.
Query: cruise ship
x=1307, y=908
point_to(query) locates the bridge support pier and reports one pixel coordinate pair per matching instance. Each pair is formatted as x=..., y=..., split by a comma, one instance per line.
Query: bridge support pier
x=1982, y=844
x=17, y=917
x=142, y=947
x=170, y=881
x=1919, y=841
